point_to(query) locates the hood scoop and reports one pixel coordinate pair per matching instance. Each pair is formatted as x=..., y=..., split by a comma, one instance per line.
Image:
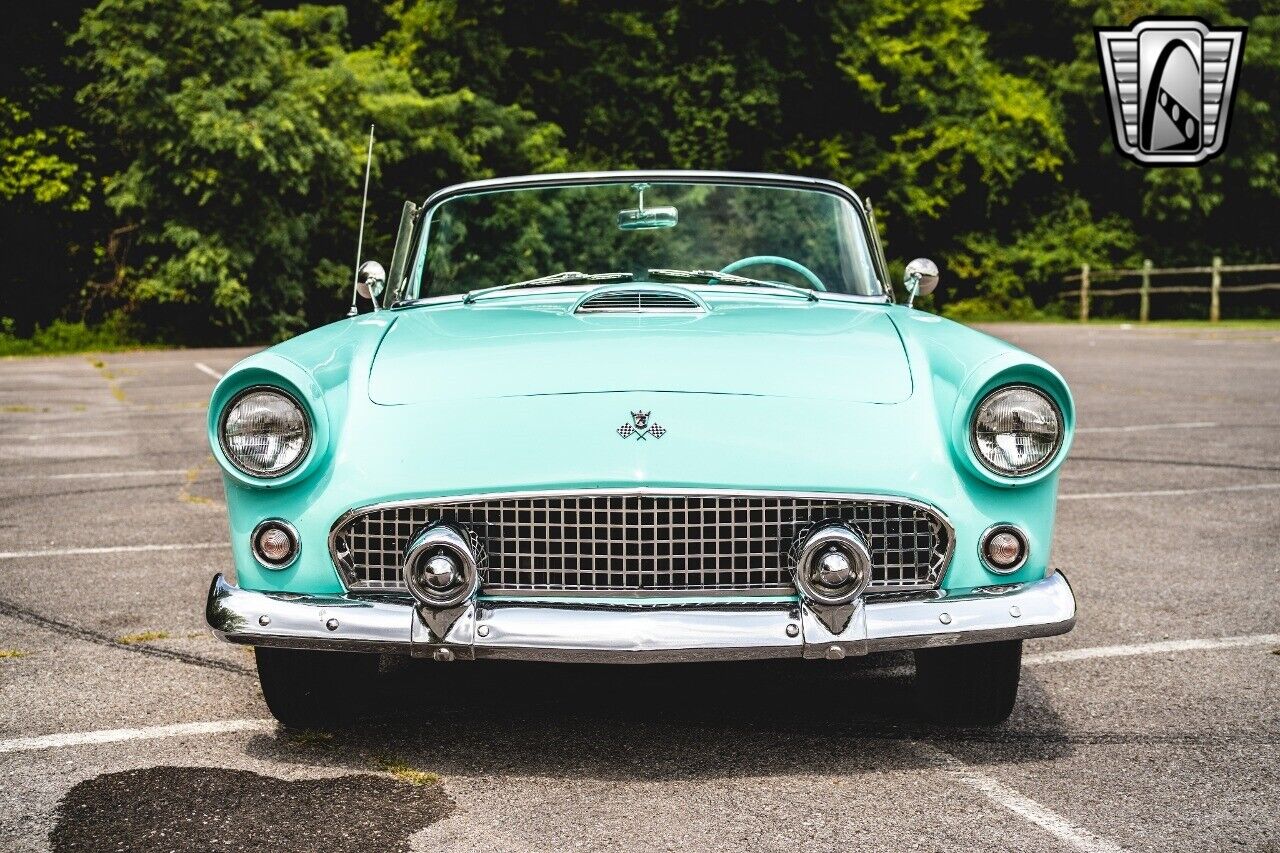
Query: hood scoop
x=639, y=301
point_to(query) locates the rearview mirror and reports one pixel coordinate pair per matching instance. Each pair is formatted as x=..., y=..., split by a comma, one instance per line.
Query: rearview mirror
x=653, y=217
x=920, y=279
x=642, y=218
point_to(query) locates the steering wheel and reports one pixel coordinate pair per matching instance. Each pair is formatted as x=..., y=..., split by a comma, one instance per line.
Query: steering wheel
x=777, y=261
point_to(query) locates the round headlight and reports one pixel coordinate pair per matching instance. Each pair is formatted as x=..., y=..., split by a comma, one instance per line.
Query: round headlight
x=265, y=432
x=1016, y=430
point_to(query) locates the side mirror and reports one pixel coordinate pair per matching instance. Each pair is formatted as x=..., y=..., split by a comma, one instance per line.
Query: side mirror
x=921, y=278
x=371, y=279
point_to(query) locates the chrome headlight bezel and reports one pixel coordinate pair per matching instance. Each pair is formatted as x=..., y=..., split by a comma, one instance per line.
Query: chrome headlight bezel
x=308, y=432
x=1043, y=463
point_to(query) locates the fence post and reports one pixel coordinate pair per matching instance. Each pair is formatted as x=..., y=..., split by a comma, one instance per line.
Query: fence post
x=1144, y=306
x=1084, y=293
x=1215, y=284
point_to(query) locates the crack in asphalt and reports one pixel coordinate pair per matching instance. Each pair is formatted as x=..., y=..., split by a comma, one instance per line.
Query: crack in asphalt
x=31, y=617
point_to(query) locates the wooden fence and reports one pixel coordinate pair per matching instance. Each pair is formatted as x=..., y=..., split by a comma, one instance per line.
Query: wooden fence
x=1215, y=288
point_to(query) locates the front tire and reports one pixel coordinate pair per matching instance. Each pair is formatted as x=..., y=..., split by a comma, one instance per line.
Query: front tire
x=975, y=685
x=309, y=689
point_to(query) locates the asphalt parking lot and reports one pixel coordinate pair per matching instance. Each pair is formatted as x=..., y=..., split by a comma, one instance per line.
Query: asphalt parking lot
x=1155, y=725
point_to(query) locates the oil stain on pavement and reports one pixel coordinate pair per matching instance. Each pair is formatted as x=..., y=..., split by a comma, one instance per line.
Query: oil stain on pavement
x=201, y=808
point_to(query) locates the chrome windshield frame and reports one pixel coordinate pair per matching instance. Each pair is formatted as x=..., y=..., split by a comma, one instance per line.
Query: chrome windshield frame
x=678, y=176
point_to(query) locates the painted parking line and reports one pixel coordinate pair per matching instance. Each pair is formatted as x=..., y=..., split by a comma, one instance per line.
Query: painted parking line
x=100, y=475
x=206, y=369
x=142, y=387
x=95, y=433
x=1149, y=427
x=1073, y=836
x=1156, y=648
x=1153, y=493
x=27, y=744
x=110, y=549
x=179, y=360
x=149, y=411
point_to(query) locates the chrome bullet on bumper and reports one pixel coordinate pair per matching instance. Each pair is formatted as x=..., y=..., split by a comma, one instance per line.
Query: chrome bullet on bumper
x=644, y=632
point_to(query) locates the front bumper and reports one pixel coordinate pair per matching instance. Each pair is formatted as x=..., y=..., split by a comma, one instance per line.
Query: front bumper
x=644, y=632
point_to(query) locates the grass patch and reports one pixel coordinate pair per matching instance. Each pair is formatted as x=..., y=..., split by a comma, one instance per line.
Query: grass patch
x=310, y=737
x=142, y=637
x=406, y=773
x=107, y=374
x=1263, y=324
x=185, y=495
x=112, y=335
x=1194, y=324
x=984, y=310
x=12, y=653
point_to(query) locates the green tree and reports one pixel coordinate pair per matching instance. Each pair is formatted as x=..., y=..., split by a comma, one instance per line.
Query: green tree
x=899, y=99
x=238, y=144
x=205, y=181
x=48, y=189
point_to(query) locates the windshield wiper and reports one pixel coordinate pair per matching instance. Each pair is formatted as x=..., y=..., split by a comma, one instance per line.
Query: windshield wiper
x=708, y=276
x=567, y=277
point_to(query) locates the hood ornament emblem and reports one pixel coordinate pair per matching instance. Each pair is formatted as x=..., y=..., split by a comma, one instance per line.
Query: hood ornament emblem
x=641, y=427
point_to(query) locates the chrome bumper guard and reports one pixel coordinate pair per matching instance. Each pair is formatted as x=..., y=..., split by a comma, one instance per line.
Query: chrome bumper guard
x=646, y=632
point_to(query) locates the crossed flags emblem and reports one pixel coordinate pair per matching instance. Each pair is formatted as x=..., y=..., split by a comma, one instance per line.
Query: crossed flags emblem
x=641, y=427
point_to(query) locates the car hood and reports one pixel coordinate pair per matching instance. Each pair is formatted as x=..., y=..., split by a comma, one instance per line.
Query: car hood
x=829, y=350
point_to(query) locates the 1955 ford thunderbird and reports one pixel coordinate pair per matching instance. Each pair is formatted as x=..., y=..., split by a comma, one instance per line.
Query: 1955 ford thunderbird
x=637, y=417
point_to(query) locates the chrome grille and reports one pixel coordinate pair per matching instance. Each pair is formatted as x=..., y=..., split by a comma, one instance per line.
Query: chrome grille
x=636, y=301
x=629, y=543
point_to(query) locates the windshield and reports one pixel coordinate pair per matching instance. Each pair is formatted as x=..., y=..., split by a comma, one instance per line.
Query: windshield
x=659, y=231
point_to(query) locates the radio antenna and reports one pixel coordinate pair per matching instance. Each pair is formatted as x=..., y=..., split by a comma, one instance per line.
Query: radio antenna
x=364, y=204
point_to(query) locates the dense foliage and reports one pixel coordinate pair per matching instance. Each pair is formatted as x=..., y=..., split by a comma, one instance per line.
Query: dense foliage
x=190, y=169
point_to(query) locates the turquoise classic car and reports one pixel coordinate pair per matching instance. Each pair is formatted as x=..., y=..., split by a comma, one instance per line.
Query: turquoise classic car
x=634, y=417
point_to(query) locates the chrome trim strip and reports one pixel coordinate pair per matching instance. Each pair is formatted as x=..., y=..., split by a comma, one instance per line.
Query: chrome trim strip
x=669, y=176
x=510, y=630
x=348, y=583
